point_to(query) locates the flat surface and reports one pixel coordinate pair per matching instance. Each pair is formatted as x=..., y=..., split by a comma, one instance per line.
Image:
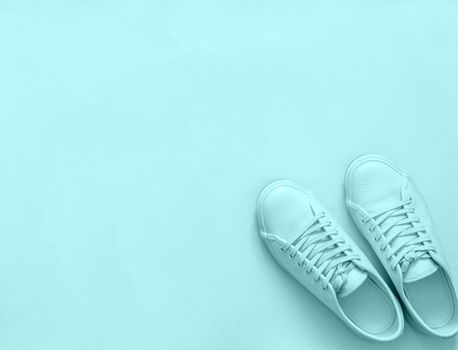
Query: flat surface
x=136, y=135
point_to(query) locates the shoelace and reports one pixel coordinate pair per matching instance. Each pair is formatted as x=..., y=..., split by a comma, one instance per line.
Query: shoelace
x=404, y=253
x=324, y=253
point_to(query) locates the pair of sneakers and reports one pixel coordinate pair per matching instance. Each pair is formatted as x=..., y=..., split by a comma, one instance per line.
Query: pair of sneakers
x=391, y=213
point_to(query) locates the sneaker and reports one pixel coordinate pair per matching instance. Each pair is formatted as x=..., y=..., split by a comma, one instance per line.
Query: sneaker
x=391, y=213
x=307, y=242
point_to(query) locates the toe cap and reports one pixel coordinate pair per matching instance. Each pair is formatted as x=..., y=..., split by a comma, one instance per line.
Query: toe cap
x=372, y=179
x=283, y=207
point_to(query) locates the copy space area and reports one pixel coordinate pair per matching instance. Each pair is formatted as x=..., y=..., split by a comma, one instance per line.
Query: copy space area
x=136, y=135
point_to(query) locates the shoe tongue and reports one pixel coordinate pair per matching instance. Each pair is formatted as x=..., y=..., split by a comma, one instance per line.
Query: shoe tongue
x=355, y=278
x=419, y=269
x=399, y=240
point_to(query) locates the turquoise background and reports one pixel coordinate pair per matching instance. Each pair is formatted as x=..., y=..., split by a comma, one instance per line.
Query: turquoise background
x=136, y=135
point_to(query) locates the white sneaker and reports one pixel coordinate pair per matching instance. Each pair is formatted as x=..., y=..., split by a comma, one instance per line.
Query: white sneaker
x=306, y=242
x=391, y=213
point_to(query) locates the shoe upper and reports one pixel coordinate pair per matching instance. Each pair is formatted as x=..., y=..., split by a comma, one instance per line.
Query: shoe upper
x=308, y=243
x=391, y=213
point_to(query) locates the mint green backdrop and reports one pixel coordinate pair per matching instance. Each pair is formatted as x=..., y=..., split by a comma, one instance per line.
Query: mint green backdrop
x=136, y=135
